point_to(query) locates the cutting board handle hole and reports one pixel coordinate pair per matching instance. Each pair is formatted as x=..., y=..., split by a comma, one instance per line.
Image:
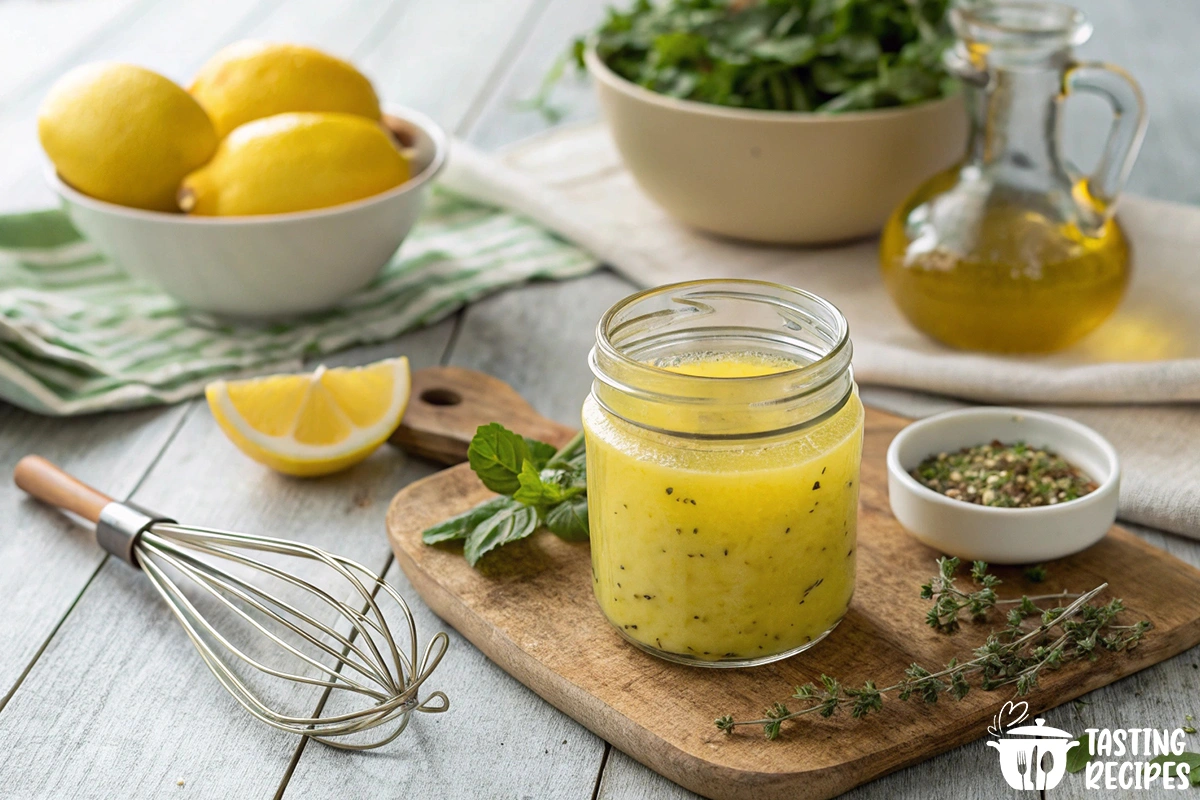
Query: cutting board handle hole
x=441, y=397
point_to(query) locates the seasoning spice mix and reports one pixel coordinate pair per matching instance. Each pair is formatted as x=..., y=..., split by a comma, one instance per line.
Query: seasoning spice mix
x=1004, y=476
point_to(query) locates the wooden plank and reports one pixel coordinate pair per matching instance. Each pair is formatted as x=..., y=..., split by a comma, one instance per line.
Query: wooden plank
x=498, y=739
x=172, y=38
x=129, y=442
x=542, y=353
x=914, y=787
x=1124, y=36
x=513, y=338
x=35, y=37
x=505, y=117
x=439, y=56
x=116, y=680
x=663, y=714
x=626, y=779
x=1160, y=697
x=337, y=513
x=570, y=755
x=512, y=326
x=45, y=562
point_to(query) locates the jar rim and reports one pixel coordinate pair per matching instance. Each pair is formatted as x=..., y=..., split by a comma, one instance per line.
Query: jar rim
x=605, y=343
x=794, y=324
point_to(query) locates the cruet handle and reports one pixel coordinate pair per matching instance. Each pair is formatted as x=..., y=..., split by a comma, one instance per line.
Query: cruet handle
x=1129, y=125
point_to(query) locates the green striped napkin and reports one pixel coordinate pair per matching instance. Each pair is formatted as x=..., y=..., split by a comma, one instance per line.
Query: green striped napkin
x=77, y=335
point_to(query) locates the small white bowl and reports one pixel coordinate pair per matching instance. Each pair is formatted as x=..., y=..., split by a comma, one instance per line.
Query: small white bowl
x=1003, y=535
x=264, y=266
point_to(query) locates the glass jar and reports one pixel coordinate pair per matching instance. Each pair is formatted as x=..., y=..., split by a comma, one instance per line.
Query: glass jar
x=724, y=434
x=1015, y=251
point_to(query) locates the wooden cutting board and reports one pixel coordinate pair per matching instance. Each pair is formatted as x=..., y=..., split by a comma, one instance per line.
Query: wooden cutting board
x=530, y=609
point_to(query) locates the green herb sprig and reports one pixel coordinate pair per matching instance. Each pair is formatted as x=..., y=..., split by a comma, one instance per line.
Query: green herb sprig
x=780, y=55
x=1192, y=775
x=1034, y=639
x=536, y=486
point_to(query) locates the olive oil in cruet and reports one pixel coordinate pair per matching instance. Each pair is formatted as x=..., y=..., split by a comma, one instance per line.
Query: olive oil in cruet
x=1012, y=251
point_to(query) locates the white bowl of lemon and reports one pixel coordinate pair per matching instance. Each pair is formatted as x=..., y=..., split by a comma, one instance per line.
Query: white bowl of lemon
x=273, y=186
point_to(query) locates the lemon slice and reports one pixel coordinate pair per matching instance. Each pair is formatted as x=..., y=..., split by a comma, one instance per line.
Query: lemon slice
x=313, y=424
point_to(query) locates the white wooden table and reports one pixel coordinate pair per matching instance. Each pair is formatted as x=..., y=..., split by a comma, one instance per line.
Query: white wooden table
x=101, y=695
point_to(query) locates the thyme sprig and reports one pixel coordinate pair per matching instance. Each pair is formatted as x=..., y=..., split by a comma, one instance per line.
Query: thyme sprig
x=1033, y=640
x=949, y=599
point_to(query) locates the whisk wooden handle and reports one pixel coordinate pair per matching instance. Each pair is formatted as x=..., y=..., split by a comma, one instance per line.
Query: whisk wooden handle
x=45, y=481
x=449, y=403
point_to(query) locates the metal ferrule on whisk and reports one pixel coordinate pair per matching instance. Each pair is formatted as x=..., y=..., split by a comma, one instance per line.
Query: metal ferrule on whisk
x=119, y=527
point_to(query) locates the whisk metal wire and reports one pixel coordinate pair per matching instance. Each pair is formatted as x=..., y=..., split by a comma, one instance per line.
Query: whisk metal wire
x=363, y=661
x=397, y=682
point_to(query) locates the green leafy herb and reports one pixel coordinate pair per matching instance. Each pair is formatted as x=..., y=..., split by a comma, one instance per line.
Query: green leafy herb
x=458, y=527
x=512, y=521
x=540, y=453
x=1191, y=759
x=1079, y=756
x=569, y=520
x=780, y=55
x=537, y=485
x=1035, y=574
x=1035, y=639
x=546, y=487
x=496, y=455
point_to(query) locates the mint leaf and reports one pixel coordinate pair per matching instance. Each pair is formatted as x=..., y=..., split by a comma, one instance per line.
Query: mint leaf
x=578, y=466
x=1078, y=757
x=511, y=522
x=537, y=484
x=1191, y=759
x=457, y=527
x=496, y=454
x=536, y=490
x=569, y=520
x=546, y=487
x=539, y=452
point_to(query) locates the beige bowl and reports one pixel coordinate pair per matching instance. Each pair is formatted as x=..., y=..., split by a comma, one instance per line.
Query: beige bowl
x=777, y=176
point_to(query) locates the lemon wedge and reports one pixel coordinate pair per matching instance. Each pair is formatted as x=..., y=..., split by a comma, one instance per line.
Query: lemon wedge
x=317, y=423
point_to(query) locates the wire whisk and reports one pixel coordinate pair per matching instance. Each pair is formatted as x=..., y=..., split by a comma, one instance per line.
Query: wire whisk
x=267, y=613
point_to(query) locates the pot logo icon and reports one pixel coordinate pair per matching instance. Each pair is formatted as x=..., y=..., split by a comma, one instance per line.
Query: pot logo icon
x=1033, y=756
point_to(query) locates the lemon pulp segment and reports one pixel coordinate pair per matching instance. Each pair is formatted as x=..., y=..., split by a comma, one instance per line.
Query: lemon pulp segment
x=313, y=424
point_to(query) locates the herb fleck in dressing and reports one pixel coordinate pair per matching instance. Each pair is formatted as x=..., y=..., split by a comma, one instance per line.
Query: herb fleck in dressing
x=724, y=552
x=1004, y=476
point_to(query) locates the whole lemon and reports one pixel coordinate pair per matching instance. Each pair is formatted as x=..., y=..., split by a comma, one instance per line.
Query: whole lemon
x=295, y=162
x=250, y=80
x=124, y=134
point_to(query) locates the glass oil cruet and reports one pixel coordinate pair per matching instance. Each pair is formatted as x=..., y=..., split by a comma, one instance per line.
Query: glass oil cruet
x=1013, y=250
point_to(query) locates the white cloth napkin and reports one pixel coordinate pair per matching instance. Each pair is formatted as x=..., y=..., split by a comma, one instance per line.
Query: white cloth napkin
x=1136, y=379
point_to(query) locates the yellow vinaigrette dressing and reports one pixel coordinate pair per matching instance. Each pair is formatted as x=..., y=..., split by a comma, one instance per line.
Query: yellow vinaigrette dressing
x=729, y=549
